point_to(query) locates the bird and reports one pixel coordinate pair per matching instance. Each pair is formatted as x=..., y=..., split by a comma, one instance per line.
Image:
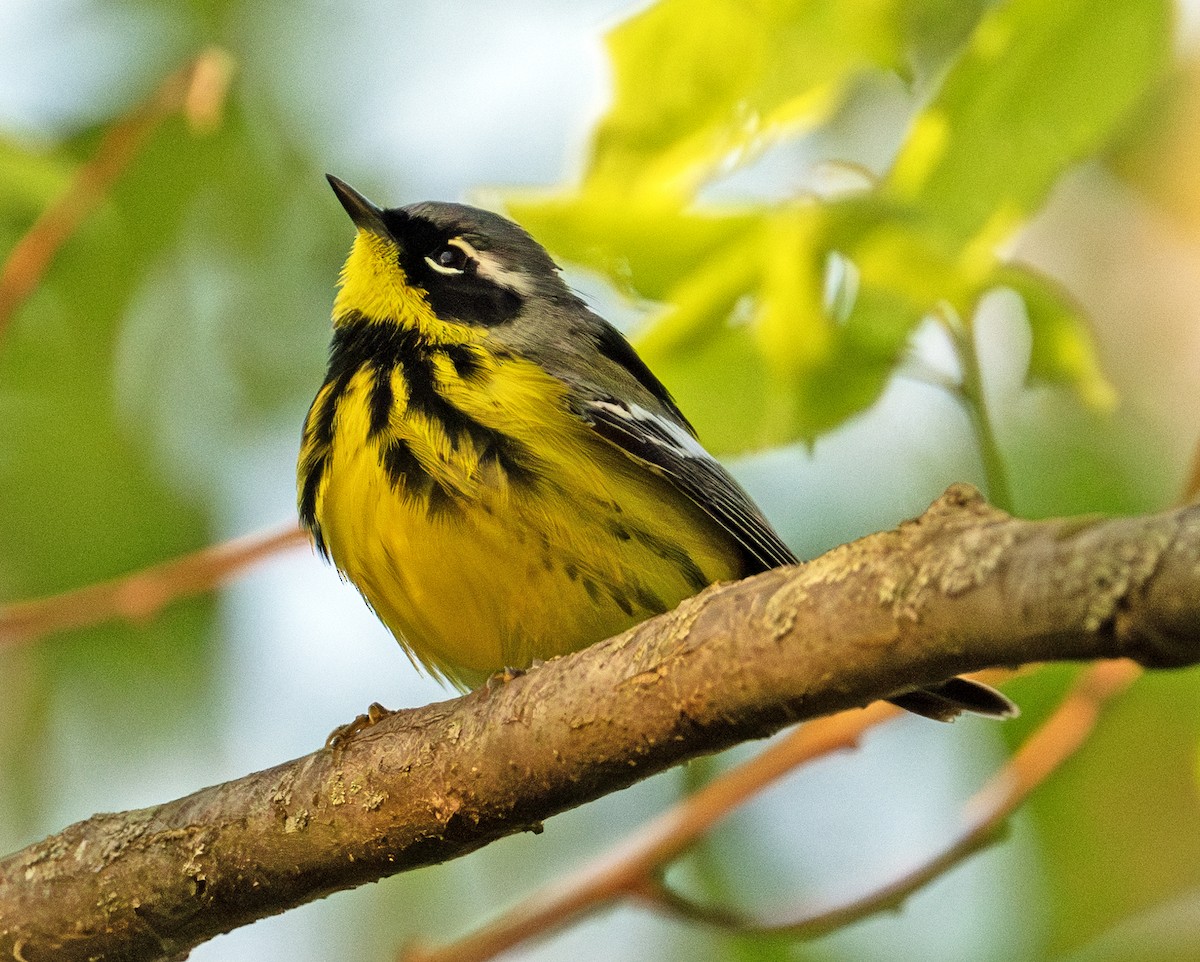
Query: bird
x=497, y=470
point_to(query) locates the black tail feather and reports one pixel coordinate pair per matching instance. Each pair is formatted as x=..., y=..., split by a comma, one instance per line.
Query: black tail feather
x=948, y=699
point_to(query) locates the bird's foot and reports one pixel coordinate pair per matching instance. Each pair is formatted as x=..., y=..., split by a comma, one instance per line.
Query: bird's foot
x=503, y=677
x=343, y=733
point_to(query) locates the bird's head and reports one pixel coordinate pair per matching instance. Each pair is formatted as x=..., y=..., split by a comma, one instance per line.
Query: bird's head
x=446, y=269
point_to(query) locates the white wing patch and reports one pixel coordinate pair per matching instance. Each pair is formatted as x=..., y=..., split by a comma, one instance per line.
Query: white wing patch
x=674, y=452
x=657, y=429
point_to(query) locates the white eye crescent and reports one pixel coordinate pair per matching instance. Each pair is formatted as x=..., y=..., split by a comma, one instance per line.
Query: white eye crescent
x=451, y=257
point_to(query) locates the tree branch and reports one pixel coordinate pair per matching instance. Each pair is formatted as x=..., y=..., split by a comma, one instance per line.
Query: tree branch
x=143, y=594
x=961, y=588
x=630, y=867
x=198, y=89
x=1057, y=740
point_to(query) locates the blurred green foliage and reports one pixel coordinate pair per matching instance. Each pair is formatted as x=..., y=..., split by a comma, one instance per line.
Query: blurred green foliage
x=758, y=290
x=181, y=333
x=114, y=429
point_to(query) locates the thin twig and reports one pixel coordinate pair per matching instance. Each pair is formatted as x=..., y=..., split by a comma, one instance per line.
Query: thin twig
x=198, y=89
x=919, y=372
x=1060, y=737
x=973, y=396
x=625, y=869
x=143, y=594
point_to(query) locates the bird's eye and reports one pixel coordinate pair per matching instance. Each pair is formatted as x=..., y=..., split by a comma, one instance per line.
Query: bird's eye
x=450, y=258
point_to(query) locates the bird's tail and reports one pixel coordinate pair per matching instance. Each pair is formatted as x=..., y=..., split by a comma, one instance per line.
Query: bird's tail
x=949, y=699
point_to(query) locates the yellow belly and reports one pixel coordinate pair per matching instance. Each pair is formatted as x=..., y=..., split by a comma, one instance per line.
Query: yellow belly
x=515, y=572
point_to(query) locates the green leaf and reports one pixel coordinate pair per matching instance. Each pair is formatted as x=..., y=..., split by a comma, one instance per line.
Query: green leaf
x=793, y=332
x=699, y=81
x=864, y=351
x=936, y=28
x=31, y=181
x=645, y=245
x=740, y=403
x=701, y=304
x=702, y=87
x=1041, y=86
x=720, y=384
x=1062, y=350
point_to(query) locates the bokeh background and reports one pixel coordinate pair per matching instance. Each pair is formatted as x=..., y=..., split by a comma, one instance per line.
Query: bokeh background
x=152, y=390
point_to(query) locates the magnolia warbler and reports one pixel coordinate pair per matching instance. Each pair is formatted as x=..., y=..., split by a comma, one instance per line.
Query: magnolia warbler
x=496, y=469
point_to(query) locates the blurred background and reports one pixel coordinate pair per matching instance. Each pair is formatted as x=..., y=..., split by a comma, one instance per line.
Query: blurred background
x=813, y=216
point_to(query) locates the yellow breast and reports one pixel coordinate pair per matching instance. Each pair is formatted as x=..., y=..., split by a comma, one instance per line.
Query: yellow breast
x=485, y=524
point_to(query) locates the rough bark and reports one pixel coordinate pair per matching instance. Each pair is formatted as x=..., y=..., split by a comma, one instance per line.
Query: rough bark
x=961, y=588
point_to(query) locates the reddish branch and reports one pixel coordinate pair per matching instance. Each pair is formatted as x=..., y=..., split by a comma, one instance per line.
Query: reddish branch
x=1058, y=739
x=961, y=588
x=142, y=595
x=198, y=90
